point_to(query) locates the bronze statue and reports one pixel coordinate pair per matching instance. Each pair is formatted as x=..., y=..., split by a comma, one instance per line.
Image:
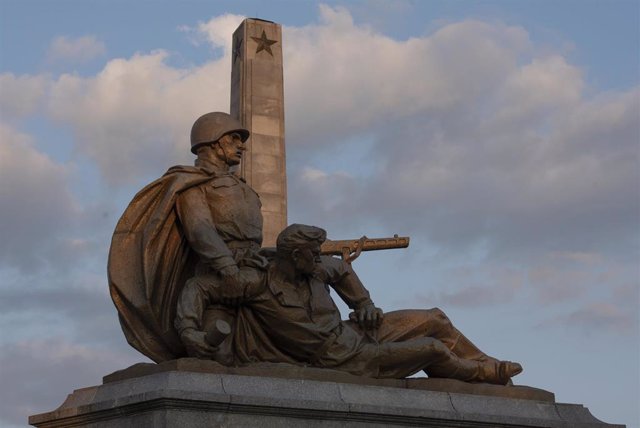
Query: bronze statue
x=287, y=315
x=192, y=221
x=188, y=277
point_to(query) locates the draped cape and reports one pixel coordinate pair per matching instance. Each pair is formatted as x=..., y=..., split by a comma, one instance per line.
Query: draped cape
x=149, y=262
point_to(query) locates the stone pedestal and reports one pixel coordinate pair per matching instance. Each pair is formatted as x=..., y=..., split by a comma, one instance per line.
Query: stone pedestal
x=196, y=394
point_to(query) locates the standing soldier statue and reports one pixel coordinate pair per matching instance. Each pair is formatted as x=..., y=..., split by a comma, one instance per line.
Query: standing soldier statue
x=193, y=221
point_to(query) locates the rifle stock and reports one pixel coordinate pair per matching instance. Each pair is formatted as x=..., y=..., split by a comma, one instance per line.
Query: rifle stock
x=350, y=249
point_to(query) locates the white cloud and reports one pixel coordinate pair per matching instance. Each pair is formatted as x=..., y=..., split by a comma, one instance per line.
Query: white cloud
x=219, y=29
x=21, y=95
x=477, y=138
x=80, y=49
x=471, y=287
x=39, y=373
x=134, y=117
x=36, y=203
x=341, y=78
x=538, y=90
x=320, y=198
x=596, y=318
x=584, y=258
x=75, y=304
x=552, y=284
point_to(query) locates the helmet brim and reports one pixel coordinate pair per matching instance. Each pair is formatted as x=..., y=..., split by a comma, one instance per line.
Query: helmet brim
x=244, y=136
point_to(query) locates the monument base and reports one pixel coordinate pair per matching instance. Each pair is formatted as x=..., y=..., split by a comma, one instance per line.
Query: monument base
x=194, y=393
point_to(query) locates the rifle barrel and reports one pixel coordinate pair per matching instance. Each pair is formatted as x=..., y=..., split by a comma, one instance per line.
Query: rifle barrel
x=330, y=247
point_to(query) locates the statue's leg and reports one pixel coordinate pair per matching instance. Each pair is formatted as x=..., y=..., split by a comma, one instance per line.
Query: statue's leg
x=196, y=314
x=193, y=300
x=417, y=323
x=401, y=359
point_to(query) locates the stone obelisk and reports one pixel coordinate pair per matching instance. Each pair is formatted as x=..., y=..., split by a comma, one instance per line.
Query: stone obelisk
x=257, y=100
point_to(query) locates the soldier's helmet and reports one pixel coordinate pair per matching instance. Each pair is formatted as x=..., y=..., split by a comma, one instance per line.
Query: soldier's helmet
x=210, y=127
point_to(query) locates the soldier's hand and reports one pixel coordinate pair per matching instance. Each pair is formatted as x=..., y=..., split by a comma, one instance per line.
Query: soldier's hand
x=369, y=317
x=232, y=293
x=195, y=343
x=229, y=274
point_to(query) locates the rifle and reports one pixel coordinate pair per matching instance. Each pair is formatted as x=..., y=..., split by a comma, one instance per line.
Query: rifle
x=350, y=249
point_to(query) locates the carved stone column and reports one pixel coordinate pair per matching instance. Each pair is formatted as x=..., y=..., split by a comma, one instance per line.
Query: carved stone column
x=257, y=100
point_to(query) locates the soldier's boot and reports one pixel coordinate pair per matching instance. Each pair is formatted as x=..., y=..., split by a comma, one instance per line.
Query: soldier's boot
x=499, y=373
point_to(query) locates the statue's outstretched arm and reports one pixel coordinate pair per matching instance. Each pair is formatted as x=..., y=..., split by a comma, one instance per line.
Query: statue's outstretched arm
x=342, y=278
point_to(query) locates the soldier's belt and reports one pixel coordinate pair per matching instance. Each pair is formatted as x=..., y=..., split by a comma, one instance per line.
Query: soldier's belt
x=236, y=245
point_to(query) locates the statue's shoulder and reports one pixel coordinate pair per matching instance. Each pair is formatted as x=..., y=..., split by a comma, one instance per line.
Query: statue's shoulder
x=184, y=171
x=181, y=177
x=190, y=176
x=176, y=180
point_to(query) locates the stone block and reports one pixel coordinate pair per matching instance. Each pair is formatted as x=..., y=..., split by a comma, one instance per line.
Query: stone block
x=265, y=89
x=269, y=180
x=266, y=71
x=270, y=145
x=495, y=409
x=169, y=395
x=284, y=392
x=266, y=125
x=268, y=183
x=267, y=107
x=271, y=203
x=267, y=165
x=452, y=385
x=375, y=399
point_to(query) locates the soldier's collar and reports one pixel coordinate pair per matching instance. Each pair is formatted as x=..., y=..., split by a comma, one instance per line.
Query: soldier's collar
x=213, y=168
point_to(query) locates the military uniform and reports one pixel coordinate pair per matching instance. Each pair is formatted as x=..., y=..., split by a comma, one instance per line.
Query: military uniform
x=300, y=324
x=221, y=221
x=193, y=221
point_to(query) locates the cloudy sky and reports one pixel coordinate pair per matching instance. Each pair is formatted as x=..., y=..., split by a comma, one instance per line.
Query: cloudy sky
x=502, y=136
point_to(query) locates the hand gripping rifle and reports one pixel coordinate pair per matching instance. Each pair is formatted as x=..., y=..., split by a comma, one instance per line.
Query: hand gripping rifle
x=350, y=249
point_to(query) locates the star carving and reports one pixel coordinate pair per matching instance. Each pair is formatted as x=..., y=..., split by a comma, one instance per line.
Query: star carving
x=264, y=44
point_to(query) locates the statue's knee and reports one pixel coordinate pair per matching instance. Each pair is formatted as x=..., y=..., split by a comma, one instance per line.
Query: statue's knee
x=437, y=348
x=191, y=284
x=202, y=282
x=437, y=313
x=439, y=316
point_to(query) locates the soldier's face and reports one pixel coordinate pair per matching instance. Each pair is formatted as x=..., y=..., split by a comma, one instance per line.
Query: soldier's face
x=231, y=148
x=306, y=259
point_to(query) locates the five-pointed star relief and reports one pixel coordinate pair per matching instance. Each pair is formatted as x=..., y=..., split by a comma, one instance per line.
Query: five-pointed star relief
x=264, y=43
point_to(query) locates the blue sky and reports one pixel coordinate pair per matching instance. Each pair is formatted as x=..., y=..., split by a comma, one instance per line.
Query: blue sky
x=502, y=136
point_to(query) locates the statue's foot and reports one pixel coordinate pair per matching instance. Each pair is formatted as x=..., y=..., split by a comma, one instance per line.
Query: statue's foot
x=196, y=345
x=497, y=373
x=507, y=370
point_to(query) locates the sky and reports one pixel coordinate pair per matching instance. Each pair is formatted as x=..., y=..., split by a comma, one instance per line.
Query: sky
x=501, y=136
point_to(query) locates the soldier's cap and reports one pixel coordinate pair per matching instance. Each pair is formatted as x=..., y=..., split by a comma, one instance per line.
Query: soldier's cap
x=298, y=236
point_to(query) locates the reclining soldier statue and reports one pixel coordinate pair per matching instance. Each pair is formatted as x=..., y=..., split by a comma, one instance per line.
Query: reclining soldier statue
x=287, y=315
x=185, y=261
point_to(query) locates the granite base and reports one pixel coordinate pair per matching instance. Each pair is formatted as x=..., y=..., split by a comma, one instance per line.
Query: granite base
x=185, y=394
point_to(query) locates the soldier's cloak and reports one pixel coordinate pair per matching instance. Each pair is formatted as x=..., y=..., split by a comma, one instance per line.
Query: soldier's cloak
x=149, y=262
